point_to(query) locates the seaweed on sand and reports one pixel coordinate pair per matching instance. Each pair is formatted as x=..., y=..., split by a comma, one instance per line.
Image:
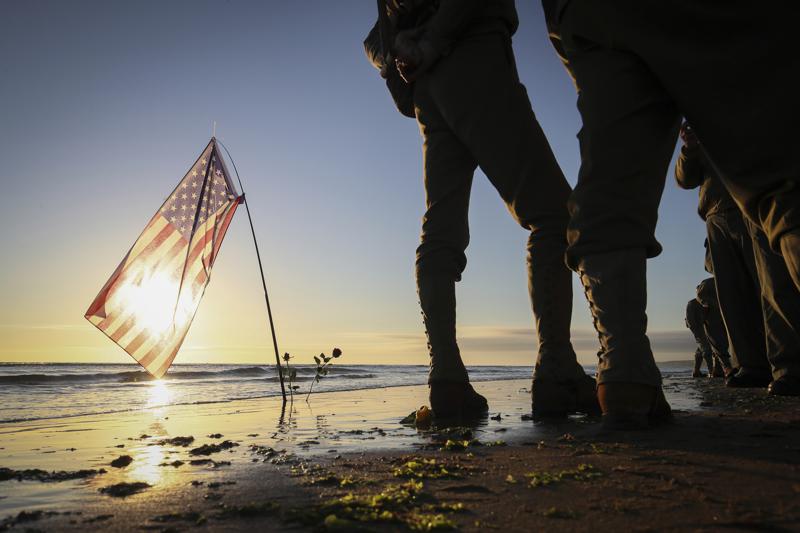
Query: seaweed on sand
x=208, y=449
x=122, y=461
x=123, y=490
x=405, y=504
x=584, y=472
x=425, y=469
x=35, y=474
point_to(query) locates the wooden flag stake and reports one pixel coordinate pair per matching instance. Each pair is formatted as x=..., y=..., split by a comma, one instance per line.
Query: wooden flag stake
x=261, y=269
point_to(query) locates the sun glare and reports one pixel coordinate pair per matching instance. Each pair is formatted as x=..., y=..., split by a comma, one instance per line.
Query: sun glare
x=159, y=394
x=152, y=302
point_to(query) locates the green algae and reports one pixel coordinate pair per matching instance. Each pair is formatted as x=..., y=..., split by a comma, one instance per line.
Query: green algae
x=584, y=472
x=425, y=469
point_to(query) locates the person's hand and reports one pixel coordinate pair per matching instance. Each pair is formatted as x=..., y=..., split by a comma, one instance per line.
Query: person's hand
x=408, y=55
x=688, y=136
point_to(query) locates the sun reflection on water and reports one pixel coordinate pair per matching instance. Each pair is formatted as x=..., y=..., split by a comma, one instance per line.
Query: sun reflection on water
x=158, y=393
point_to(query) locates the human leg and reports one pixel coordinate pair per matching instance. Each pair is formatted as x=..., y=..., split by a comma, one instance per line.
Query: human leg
x=781, y=306
x=448, y=170
x=487, y=107
x=629, y=131
x=737, y=293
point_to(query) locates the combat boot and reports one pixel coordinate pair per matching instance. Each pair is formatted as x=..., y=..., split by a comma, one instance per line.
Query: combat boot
x=451, y=395
x=749, y=378
x=560, y=386
x=552, y=399
x=629, y=382
x=632, y=405
x=456, y=401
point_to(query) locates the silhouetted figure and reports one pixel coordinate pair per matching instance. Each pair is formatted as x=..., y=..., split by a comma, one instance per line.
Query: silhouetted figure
x=714, y=328
x=695, y=321
x=780, y=302
x=730, y=248
x=758, y=300
x=639, y=66
x=473, y=112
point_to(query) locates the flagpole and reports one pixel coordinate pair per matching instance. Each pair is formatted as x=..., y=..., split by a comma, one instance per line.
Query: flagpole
x=261, y=269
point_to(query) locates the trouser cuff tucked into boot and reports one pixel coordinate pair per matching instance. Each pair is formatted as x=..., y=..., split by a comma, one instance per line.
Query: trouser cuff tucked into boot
x=558, y=369
x=629, y=364
x=616, y=289
x=448, y=373
x=559, y=389
x=437, y=298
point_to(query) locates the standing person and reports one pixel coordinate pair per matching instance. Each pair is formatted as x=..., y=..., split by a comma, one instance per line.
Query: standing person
x=730, y=247
x=473, y=112
x=695, y=321
x=639, y=65
x=714, y=328
x=758, y=300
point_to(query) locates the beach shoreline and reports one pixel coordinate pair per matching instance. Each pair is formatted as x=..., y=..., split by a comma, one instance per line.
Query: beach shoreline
x=252, y=466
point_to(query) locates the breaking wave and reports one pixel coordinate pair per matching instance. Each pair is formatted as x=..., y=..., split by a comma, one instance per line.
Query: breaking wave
x=304, y=373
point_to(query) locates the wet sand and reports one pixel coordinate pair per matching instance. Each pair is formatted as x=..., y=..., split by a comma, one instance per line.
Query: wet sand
x=731, y=461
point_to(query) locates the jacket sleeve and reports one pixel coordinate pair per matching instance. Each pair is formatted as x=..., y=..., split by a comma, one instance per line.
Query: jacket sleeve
x=689, y=169
x=447, y=24
x=373, y=48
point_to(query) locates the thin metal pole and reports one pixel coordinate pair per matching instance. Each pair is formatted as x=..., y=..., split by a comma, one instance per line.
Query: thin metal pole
x=263, y=279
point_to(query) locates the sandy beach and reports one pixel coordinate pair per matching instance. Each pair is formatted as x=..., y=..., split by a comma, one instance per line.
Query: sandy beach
x=344, y=461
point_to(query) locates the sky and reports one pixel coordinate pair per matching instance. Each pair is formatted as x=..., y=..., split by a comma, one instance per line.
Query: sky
x=105, y=105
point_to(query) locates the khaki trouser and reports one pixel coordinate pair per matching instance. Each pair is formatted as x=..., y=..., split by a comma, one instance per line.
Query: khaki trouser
x=738, y=290
x=780, y=303
x=474, y=112
x=639, y=66
x=717, y=337
x=695, y=322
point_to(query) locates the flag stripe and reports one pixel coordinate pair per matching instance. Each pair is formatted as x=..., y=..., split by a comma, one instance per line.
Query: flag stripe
x=226, y=221
x=159, y=227
x=162, y=369
x=147, y=359
x=172, y=270
x=134, y=270
x=176, y=253
x=173, y=247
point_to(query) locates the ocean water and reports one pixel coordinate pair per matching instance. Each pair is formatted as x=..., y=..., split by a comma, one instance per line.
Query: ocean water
x=46, y=390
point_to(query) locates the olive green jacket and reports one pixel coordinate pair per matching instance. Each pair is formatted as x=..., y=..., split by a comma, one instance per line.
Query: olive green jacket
x=693, y=170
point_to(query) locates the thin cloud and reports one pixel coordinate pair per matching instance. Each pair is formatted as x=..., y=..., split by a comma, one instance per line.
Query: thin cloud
x=48, y=327
x=506, y=339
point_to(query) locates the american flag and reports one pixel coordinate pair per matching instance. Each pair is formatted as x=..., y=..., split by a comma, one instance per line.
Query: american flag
x=148, y=304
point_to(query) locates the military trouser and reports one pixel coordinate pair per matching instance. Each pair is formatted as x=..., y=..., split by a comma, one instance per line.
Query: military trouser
x=699, y=334
x=703, y=351
x=717, y=337
x=738, y=292
x=639, y=65
x=780, y=302
x=474, y=112
x=701, y=356
x=713, y=326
